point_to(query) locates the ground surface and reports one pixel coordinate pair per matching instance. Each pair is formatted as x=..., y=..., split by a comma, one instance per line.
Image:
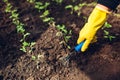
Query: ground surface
x=100, y=62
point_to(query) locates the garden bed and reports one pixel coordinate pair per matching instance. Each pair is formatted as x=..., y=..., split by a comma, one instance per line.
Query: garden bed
x=100, y=62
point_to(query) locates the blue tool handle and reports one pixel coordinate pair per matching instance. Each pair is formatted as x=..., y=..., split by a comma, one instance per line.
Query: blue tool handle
x=79, y=46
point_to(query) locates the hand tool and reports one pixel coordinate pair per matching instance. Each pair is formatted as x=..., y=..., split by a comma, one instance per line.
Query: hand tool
x=76, y=49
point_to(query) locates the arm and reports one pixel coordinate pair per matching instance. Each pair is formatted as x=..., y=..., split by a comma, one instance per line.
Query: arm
x=95, y=21
x=111, y=4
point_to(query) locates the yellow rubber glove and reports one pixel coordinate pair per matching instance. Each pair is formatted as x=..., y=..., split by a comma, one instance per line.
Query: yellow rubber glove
x=96, y=19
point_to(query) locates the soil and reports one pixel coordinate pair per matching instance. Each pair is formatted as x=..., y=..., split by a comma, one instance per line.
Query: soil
x=101, y=61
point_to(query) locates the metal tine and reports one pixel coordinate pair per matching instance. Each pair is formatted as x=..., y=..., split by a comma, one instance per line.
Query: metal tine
x=66, y=60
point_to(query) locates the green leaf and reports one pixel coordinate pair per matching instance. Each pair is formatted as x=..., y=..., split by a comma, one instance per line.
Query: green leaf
x=46, y=19
x=46, y=13
x=31, y=1
x=111, y=37
x=68, y=7
x=38, y=3
x=58, y=1
x=33, y=57
x=70, y=32
x=23, y=49
x=14, y=16
x=68, y=47
x=105, y=36
x=16, y=22
x=76, y=8
x=107, y=25
x=106, y=32
x=47, y=4
x=26, y=34
x=62, y=28
x=32, y=44
x=25, y=44
x=8, y=7
x=81, y=5
x=20, y=29
x=67, y=38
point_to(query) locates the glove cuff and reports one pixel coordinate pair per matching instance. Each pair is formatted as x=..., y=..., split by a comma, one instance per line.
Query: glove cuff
x=98, y=7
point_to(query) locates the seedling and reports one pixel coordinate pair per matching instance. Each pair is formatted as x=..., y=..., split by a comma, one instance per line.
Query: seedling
x=107, y=25
x=66, y=34
x=75, y=8
x=40, y=6
x=62, y=28
x=8, y=7
x=24, y=45
x=106, y=33
x=31, y=46
x=45, y=17
x=34, y=58
x=108, y=36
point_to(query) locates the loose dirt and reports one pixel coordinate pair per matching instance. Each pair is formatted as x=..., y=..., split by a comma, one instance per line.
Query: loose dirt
x=100, y=62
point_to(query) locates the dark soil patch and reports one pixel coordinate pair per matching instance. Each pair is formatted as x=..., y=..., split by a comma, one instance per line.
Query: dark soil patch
x=100, y=62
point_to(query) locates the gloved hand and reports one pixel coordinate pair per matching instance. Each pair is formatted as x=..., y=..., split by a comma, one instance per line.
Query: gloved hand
x=96, y=19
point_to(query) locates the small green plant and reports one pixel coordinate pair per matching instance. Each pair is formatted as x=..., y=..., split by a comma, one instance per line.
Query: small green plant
x=40, y=6
x=107, y=25
x=25, y=44
x=43, y=7
x=75, y=8
x=107, y=33
x=45, y=17
x=62, y=28
x=67, y=37
x=31, y=46
x=34, y=57
x=108, y=36
x=8, y=7
x=66, y=34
